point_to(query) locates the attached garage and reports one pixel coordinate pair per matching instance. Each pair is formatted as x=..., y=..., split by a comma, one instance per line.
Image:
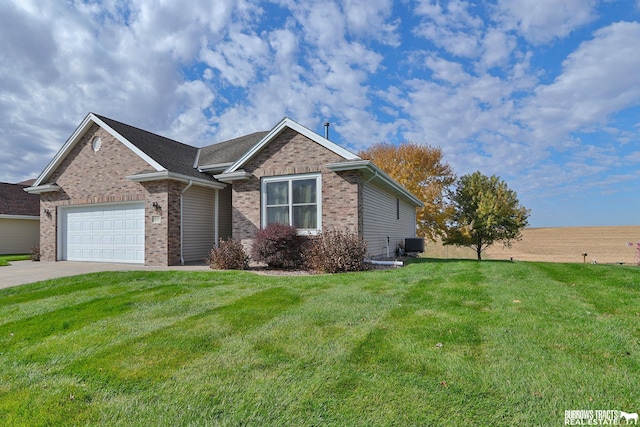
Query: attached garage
x=102, y=233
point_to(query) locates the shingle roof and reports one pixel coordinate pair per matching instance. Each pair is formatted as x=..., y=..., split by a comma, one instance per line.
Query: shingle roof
x=14, y=201
x=172, y=155
x=229, y=151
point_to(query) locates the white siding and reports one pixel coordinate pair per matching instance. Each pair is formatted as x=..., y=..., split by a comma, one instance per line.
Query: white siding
x=17, y=236
x=198, y=222
x=224, y=213
x=380, y=219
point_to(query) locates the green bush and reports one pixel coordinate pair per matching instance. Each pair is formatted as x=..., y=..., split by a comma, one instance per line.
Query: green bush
x=279, y=246
x=229, y=255
x=336, y=251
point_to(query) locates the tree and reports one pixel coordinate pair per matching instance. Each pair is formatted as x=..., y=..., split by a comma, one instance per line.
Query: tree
x=421, y=170
x=485, y=211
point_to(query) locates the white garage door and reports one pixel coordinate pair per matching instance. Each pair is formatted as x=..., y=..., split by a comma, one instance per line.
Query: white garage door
x=103, y=233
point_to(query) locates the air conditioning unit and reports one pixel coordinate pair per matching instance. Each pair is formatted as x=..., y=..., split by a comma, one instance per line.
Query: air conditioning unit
x=414, y=244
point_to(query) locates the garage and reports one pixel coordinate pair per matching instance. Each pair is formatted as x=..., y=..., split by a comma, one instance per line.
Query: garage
x=103, y=233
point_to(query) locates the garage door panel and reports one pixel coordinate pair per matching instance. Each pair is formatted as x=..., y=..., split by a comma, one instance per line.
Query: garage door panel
x=108, y=233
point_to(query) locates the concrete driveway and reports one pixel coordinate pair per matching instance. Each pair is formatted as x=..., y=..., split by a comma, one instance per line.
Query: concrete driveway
x=21, y=272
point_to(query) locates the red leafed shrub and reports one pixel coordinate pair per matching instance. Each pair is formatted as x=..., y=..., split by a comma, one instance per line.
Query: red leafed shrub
x=229, y=255
x=279, y=246
x=335, y=252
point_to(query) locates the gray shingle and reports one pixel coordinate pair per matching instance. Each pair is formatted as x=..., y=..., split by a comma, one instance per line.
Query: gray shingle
x=229, y=151
x=172, y=155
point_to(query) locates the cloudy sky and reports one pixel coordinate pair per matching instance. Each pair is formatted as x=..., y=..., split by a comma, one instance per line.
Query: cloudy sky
x=543, y=93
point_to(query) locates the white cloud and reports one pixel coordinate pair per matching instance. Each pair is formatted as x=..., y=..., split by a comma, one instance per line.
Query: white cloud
x=598, y=79
x=370, y=19
x=446, y=71
x=238, y=58
x=497, y=47
x=541, y=21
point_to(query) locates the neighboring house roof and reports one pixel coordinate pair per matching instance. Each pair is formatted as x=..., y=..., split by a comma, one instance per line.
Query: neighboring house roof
x=15, y=202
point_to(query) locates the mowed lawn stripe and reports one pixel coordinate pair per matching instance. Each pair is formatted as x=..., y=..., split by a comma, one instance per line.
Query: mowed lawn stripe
x=284, y=372
x=68, y=319
x=144, y=361
x=430, y=346
x=551, y=347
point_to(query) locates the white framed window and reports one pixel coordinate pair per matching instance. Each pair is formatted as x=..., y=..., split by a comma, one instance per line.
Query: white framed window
x=293, y=200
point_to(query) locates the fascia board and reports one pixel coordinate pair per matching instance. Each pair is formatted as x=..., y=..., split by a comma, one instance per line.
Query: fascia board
x=233, y=176
x=218, y=167
x=287, y=122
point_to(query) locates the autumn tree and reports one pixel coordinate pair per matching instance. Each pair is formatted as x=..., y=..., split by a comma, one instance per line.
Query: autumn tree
x=485, y=211
x=421, y=170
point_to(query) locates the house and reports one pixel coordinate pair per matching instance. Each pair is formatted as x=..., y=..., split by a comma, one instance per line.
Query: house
x=116, y=193
x=19, y=219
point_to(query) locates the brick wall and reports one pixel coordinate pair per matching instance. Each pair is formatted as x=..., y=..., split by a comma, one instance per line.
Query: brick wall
x=87, y=176
x=288, y=154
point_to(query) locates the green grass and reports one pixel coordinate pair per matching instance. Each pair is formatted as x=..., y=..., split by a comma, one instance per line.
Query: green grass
x=434, y=343
x=6, y=259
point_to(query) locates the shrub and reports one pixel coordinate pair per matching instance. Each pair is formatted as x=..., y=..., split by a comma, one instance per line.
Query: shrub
x=35, y=253
x=229, y=255
x=279, y=246
x=336, y=251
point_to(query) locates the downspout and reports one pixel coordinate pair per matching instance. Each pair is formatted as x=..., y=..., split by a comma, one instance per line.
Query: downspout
x=375, y=174
x=216, y=220
x=182, y=221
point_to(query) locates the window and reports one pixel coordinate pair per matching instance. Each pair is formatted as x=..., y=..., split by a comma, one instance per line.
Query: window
x=293, y=200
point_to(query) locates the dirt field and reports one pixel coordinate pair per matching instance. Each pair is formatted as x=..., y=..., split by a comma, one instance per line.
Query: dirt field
x=562, y=244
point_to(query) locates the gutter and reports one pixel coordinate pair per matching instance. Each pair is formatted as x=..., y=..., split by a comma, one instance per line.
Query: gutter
x=182, y=220
x=39, y=189
x=162, y=175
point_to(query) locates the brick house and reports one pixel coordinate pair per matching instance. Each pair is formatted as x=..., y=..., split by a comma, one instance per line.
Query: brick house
x=116, y=193
x=19, y=219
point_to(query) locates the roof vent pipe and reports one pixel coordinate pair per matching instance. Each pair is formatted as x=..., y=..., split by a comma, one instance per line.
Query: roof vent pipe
x=326, y=130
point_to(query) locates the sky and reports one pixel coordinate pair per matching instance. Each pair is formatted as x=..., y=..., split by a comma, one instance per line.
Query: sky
x=544, y=94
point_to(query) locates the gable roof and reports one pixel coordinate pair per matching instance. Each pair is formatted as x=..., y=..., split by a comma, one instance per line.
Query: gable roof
x=288, y=123
x=15, y=202
x=171, y=155
x=164, y=155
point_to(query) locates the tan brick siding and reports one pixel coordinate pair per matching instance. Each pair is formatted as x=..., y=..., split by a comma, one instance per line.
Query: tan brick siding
x=86, y=176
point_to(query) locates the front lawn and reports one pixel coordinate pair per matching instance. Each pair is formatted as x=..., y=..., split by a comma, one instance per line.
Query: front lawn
x=435, y=343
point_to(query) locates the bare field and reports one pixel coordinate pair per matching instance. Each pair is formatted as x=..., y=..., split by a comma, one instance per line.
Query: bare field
x=560, y=244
